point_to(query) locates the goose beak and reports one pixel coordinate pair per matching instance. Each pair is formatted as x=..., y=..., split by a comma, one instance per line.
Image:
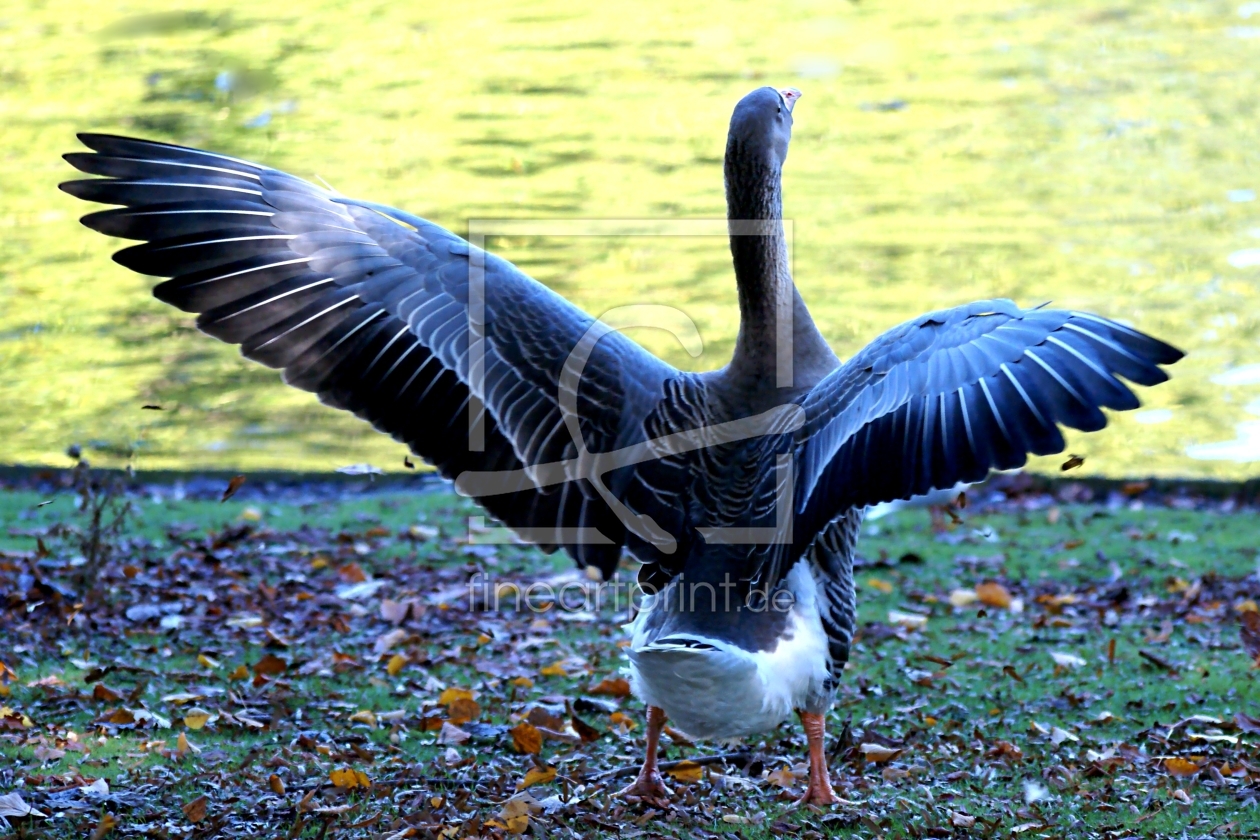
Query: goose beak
x=790, y=95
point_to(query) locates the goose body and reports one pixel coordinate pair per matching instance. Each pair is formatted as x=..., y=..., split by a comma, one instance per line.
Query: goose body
x=748, y=482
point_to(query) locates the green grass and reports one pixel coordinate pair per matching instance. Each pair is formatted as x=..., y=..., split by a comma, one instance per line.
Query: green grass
x=1047, y=151
x=1167, y=582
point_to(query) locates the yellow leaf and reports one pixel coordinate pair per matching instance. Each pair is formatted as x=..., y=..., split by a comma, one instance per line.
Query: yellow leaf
x=1180, y=767
x=879, y=584
x=1247, y=606
x=686, y=771
x=240, y=673
x=196, y=718
x=206, y=662
x=181, y=744
x=517, y=825
x=878, y=753
x=555, y=669
x=452, y=694
x=396, y=663
x=364, y=716
x=523, y=682
x=349, y=778
x=621, y=719
x=526, y=738
x=276, y=784
x=537, y=776
x=994, y=594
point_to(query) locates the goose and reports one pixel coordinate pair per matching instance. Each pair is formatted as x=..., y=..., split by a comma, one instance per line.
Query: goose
x=740, y=491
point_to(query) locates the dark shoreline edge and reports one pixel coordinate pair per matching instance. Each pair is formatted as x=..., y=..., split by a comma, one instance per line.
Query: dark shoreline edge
x=284, y=485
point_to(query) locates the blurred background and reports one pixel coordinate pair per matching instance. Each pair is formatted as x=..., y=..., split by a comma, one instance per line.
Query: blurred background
x=1100, y=156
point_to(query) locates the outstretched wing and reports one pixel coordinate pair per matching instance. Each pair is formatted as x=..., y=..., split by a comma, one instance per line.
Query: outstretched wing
x=950, y=395
x=373, y=310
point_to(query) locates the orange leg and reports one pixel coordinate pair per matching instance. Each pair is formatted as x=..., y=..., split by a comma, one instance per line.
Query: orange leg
x=819, y=791
x=649, y=787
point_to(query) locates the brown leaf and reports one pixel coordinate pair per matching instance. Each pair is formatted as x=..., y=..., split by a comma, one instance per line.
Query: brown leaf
x=239, y=673
x=276, y=784
x=1072, y=462
x=107, y=824
x=195, y=810
x=1249, y=631
x=1247, y=723
x=612, y=687
x=961, y=820
x=526, y=738
x=270, y=666
x=540, y=717
x=994, y=594
x=232, y=487
x=352, y=573
x=122, y=717
x=584, y=730
x=104, y=694
x=463, y=710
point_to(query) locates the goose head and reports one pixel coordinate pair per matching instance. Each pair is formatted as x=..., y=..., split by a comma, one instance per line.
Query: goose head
x=761, y=127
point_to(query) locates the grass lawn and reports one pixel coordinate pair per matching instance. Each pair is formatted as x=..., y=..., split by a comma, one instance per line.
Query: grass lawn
x=312, y=668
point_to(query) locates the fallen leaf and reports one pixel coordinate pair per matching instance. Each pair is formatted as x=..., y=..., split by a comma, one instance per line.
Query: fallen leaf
x=623, y=720
x=232, y=487
x=961, y=820
x=1058, y=735
x=878, y=753
x=1067, y=660
x=396, y=663
x=911, y=621
x=879, y=584
x=555, y=669
x=348, y=778
x=612, y=687
x=963, y=597
x=783, y=777
x=270, y=666
x=239, y=673
x=196, y=718
x=687, y=772
x=1180, y=767
x=104, y=694
x=107, y=823
x=1072, y=462
x=364, y=716
x=12, y=805
x=276, y=784
x=1249, y=631
x=452, y=694
x=526, y=738
x=451, y=734
x=395, y=612
x=463, y=710
x=537, y=776
x=994, y=594
x=195, y=810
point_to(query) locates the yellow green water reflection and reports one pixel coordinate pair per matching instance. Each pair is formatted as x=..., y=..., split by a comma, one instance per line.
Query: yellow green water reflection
x=1100, y=156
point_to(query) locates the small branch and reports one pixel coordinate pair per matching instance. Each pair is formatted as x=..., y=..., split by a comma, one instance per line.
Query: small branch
x=738, y=759
x=1158, y=661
